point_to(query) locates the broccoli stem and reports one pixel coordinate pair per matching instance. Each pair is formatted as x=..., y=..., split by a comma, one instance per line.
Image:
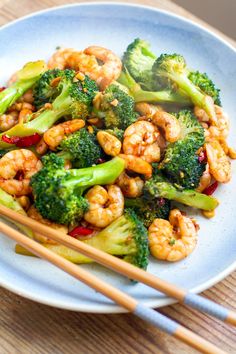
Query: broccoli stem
x=8, y=201
x=160, y=96
x=26, y=77
x=63, y=251
x=38, y=125
x=197, y=97
x=140, y=95
x=187, y=197
x=105, y=173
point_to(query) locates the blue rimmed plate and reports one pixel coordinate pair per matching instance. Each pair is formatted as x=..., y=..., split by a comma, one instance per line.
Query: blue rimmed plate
x=114, y=26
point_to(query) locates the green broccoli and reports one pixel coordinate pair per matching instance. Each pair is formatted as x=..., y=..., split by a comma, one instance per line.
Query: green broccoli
x=116, y=108
x=148, y=208
x=81, y=148
x=126, y=237
x=138, y=59
x=58, y=192
x=25, y=79
x=139, y=95
x=160, y=187
x=180, y=162
x=118, y=133
x=8, y=201
x=74, y=100
x=206, y=85
x=44, y=91
x=170, y=71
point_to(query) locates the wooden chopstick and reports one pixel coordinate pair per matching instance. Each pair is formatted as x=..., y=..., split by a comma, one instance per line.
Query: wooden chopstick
x=132, y=305
x=126, y=269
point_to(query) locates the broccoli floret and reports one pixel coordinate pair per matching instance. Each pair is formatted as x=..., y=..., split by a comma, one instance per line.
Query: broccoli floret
x=148, y=208
x=140, y=95
x=44, y=91
x=126, y=237
x=74, y=100
x=181, y=163
x=26, y=78
x=58, y=192
x=160, y=187
x=170, y=70
x=8, y=201
x=206, y=85
x=81, y=148
x=138, y=59
x=116, y=108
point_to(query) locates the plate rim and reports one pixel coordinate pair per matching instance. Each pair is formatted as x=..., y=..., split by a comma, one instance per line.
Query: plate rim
x=113, y=308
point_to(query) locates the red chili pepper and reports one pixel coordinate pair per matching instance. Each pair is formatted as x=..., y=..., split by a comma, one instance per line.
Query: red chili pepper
x=2, y=88
x=80, y=231
x=101, y=160
x=211, y=189
x=24, y=141
x=161, y=202
x=202, y=157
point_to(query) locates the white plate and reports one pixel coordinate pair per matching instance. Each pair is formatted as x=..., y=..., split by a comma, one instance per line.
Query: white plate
x=114, y=26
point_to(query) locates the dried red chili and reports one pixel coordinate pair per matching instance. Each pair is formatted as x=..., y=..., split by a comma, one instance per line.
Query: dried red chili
x=211, y=189
x=24, y=141
x=80, y=231
x=202, y=157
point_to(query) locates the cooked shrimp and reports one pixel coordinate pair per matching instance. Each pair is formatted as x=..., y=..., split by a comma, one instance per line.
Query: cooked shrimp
x=41, y=147
x=22, y=162
x=219, y=164
x=110, y=144
x=205, y=180
x=111, y=68
x=172, y=240
x=138, y=165
x=59, y=59
x=147, y=109
x=8, y=120
x=131, y=186
x=105, y=205
x=169, y=123
x=218, y=129
x=54, y=135
x=140, y=139
x=34, y=214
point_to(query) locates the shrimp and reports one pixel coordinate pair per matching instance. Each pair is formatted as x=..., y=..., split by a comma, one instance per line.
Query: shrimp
x=138, y=165
x=110, y=144
x=8, y=120
x=146, y=109
x=54, y=135
x=59, y=59
x=205, y=180
x=140, y=139
x=172, y=240
x=87, y=62
x=22, y=162
x=105, y=205
x=111, y=68
x=218, y=129
x=34, y=214
x=131, y=186
x=169, y=123
x=219, y=164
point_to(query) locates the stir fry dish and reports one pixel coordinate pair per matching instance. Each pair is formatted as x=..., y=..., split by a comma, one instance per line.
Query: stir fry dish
x=106, y=150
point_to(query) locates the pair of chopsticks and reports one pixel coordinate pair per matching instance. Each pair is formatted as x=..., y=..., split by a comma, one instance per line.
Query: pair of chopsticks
x=124, y=268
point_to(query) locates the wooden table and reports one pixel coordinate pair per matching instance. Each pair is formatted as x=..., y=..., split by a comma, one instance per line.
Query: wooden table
x=30, y=328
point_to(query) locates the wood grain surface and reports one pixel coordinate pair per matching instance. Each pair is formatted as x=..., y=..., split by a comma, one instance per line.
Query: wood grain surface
x=30, y=328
